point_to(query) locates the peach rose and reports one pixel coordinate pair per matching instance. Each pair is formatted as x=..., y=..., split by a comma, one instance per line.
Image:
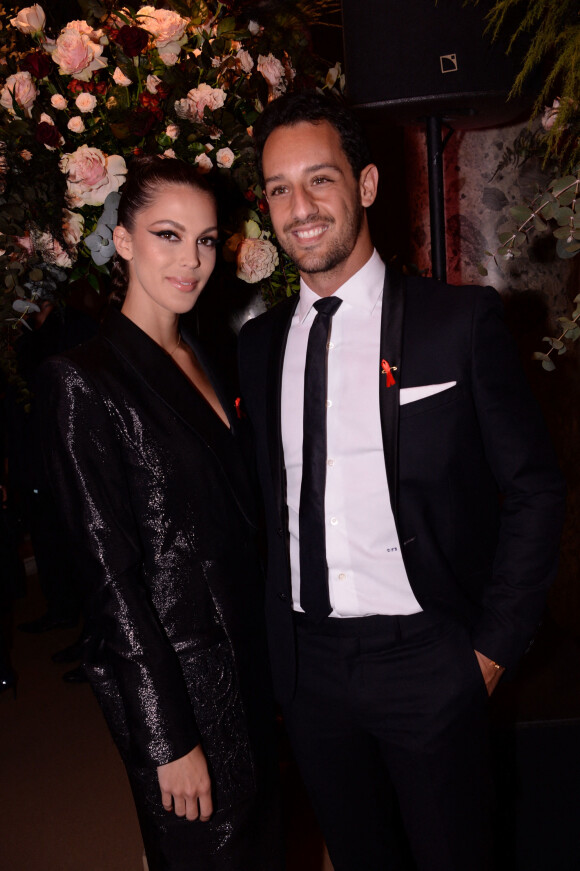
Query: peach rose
x=57, y=101
x=76, y=124
x=76, y=54
x=29, y=20
x=256, y=260
x=172, y=130
x=203, y=163
x=72, y=226
x=22, y=88
x=168, y=57
x=225, y=157
x=85, y=102
x=92, y=175
x=120, y=78
x=25, y=154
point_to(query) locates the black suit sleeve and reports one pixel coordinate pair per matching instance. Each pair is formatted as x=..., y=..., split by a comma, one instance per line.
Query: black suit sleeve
x=85, y=468
x=521, y=457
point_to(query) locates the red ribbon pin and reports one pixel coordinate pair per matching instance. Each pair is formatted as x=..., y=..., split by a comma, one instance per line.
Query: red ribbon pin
x=239, y=411
x=388, y=371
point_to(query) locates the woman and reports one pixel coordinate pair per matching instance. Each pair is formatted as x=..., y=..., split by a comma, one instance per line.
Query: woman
x=142, y=450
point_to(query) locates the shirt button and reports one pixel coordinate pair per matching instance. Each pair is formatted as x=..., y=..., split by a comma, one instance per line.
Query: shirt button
x=330, y=346
x=334, y=521
x=329, y=403
x=330, y=462
x=342, y=576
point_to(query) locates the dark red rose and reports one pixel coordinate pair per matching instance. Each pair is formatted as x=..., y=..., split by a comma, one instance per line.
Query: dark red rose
x=140, y=122
x=264, y=207
x=75, y=86
x=133, y=40
x=149, y=101
x=47, y=134
x=38, y=64
x=250, y=195
x=101, y=87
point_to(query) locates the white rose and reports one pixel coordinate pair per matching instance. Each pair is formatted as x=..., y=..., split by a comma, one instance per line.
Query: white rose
x=46, y=119
x=76, y=124
x=169, y=152
x=85, y=102
x=254, y=28
x=225, y=157
x=204, y=95
x=152, y=83
x=92, y=175
x=120, y=78
x=57, y=101
x=172, y=130
x=203, y=163
x=21, y=86
x=550, y=115
x=29, y=20
x=256, y=260
x=167, y=29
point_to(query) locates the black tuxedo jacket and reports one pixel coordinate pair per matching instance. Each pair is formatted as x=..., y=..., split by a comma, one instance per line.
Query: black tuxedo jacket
x=162, y=521
x=475, y=489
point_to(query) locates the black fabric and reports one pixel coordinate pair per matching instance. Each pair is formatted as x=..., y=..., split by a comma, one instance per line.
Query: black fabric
x=314, y=596
x=161, y=521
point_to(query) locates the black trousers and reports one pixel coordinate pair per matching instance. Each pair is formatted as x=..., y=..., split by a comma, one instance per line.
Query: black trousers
x=394, y=705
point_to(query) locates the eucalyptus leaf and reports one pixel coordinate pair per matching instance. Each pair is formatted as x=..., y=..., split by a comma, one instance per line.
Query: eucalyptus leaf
x=482, y=270
x=548, y=365
x=521, y=213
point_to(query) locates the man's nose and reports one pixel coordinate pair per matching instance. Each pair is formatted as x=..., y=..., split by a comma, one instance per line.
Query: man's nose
x=303, y=203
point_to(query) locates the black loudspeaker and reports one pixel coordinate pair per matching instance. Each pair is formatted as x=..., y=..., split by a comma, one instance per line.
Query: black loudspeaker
x=418, y=58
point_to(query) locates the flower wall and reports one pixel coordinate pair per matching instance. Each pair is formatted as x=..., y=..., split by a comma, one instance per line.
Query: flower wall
x=186, y=80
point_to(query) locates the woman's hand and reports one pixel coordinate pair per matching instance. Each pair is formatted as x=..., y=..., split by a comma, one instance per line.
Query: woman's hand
x=186, y=786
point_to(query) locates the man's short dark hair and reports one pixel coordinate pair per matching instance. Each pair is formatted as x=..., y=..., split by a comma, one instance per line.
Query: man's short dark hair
x=314, y=107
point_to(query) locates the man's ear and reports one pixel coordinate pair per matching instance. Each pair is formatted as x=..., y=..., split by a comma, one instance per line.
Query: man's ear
x=123, y=242
x=368, y=184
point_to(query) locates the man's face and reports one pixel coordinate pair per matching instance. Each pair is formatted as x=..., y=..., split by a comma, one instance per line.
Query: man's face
x=316, y=203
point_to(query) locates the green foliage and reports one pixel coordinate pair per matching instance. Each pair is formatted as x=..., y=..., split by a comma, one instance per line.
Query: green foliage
x=553, y=30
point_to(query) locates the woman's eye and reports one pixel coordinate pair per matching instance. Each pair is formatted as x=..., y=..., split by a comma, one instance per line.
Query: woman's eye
x=208, y=241
x=167, y=234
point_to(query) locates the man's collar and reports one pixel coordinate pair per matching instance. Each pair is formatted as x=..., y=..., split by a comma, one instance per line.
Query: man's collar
x=363, y=290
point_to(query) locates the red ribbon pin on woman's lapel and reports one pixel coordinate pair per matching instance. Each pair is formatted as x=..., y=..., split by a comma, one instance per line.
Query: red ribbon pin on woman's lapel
x=388, y=371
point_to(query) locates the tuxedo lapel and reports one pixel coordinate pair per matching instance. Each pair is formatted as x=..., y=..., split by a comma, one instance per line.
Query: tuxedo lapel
x=279, y=335
x=391, y=352
x=174, y=390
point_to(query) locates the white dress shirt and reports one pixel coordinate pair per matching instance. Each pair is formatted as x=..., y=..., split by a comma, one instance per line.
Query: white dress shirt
x=366, y=574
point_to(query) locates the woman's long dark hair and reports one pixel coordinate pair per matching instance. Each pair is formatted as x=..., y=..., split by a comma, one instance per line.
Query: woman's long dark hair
x=146, y=177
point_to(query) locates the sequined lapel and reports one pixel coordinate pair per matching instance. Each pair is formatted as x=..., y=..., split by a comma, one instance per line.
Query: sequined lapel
x=174, y=389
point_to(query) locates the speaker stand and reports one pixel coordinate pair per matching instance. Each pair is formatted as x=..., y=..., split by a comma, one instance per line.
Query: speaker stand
x=435, y=147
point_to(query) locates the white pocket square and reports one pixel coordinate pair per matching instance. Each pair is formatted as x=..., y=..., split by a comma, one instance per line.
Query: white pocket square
x=412, y=394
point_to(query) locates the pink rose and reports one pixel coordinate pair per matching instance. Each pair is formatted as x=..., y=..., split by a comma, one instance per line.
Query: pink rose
x=57, y=101
x=169, y=152
x=21, y=86
x=120, y=78
x=172, y=130
x=76, y=54
x=76, y=124
x=29, y=20
x=85, y=102
x=152, y=83
x=273, y=72
x=256, y=260
x=197, y=99
x=92, y=175
x=72, y=226
x=167, y=29
x=245, y=60
x=225, y=157
x=550, y=115
x=203, y=163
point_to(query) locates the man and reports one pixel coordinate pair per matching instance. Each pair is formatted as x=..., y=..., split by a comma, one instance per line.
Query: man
x=384, y=651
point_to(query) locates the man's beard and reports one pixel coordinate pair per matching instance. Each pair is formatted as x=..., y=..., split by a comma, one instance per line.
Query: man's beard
x=311, y=263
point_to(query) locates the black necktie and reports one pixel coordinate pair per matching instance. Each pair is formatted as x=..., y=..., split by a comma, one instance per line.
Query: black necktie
x=314, y=597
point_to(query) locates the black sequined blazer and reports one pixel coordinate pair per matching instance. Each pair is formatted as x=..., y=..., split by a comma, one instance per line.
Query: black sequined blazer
x=161, y=519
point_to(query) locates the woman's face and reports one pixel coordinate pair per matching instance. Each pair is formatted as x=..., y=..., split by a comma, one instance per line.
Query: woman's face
x=171, y=250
